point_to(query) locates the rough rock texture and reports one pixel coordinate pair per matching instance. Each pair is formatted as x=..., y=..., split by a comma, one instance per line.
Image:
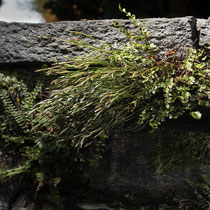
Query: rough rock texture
x=128, y=165
x=94, y=206
x=22, y=204
x=203, y=27
x=34, y=44
x=4, y=205
x=7, y=195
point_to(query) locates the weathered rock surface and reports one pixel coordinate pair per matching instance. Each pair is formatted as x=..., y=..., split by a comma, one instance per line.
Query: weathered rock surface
x=128, y=166
x=4, y=205
x=94, y=206
x=7, y=195
x=203, y=27
x=22, y=204
x=28, y=44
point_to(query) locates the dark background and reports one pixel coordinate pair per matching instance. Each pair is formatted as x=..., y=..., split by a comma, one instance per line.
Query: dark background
x=108, y=9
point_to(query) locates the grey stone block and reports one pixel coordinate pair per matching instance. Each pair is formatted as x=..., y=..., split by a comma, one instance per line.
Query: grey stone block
x=22, y=204
x=203, y=27
x=128, y=166
x=94, y=206
x=8, y=193
x=4, y=205
x=28, y=44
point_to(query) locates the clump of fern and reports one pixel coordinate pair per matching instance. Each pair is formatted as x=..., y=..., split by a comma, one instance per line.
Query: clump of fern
x=36, y=159
x=16, y=135
x=193, y=194
x=30, y=160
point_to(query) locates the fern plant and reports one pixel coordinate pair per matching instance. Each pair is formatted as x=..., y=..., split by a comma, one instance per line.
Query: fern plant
x=185, y=149
x=38, y=162
x=194, y=194
x=16, y=136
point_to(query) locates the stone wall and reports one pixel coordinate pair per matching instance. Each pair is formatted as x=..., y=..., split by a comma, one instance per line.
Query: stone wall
x=125, y=166
x=34, y=44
